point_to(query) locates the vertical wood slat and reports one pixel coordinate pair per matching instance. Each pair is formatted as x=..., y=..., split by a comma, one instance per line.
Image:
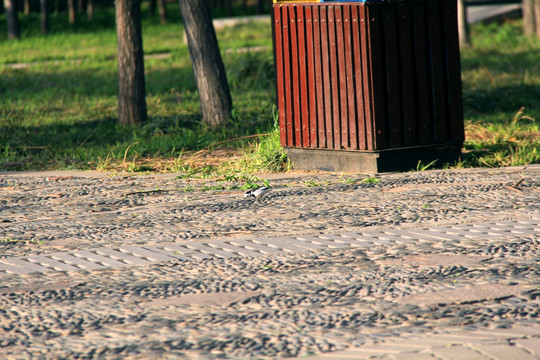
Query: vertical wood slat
x=327, y=92
x=287, y=72
x=310, y=65
x=319, y=84
x=295, y=83
x=453, y=72
x=303, y=95
x=410, y=135
x=350, y=98
x=422, y=94
x=278, y=53
x=335, y=122
x=341, y=101
x=391, y=59
x=358, y=52
x=436, y=67
x=376, y=76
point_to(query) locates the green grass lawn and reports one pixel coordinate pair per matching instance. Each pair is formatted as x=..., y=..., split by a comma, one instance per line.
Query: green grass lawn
x=58, y=99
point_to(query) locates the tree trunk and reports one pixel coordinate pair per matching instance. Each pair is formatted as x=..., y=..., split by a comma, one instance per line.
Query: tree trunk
x=131, y=84
x=537, y=17
x=26, y=7
x=463, y=26
x=12, y=19
x=80, y=6
x=44, y=16
x=163, y=11
x=90, y=9
x=214, y=94
x=71, y=11
x=528, y=17
x=153, y=6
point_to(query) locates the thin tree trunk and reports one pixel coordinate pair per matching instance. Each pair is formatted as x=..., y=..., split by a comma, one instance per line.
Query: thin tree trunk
x=26, y=7
x=80, y=6
x=528, y=17
x=214, y=94
x=12, y=19
x=90, y=9
x=71, y=11
x=537, y=17
x=153, y=6
x=463, y=26
x=163, y=11
x=131, y=83
x=44, y=16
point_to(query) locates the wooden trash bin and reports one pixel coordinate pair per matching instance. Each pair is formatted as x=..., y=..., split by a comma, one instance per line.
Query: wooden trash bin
x=368, y=87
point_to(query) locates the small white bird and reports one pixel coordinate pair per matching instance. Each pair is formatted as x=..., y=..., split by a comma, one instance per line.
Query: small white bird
x=257, y=193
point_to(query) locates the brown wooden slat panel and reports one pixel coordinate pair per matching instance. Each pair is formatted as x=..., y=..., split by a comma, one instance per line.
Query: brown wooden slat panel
x=358, y=26
x=302, y=61
x=455, y=103
x=376, y=76
x=310, y=65
x=334, y=77
x=327, y=89
x=392, y=61
x=438, y=80
x=279, y=74
x=319, y=82
x=410, y=133
x=288, y=80
x=296, y=119
x=350, y=98
x=421, y=68
x=342, y=70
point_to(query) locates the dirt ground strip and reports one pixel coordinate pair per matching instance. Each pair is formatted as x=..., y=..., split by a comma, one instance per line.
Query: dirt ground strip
x=277, y=306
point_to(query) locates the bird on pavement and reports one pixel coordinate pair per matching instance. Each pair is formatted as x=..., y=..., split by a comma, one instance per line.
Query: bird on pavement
x=257, y=193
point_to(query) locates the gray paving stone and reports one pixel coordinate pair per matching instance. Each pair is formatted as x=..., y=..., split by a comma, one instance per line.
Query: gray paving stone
x=258, y=249
x=76, y=261
x=25, y=264
x=168, y=254
x=283, y=243
x=234, y=249
x=503, y=352
x=55, y=264
x=531, y=344
x=146, y=253
x=330, y=244
x=458, y=352
x=122, y=256
x=205, y=249
x=11, y=269
x=182, y=250
x=89, y=255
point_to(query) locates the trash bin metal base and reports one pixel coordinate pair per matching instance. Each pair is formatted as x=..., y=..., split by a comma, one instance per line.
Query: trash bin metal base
x=370, y=162
x=368, y=76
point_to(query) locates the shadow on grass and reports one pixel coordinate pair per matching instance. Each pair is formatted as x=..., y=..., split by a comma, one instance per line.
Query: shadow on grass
x=503, y=99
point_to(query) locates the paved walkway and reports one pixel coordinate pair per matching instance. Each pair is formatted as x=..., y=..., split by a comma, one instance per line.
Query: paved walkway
x=421, y=265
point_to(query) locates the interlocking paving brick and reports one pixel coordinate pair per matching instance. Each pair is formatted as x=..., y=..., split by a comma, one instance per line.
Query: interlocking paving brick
x=235, y=249
x=25, y=264
x=146, y=253
x=531, y=344
x=503, y=352
x=88, y=255
x=191, y=253
x=76, y=261
x=125, y=255
x=457, y=352
x=55, y=264
x=203, y=248
x=258, y=249
x=11, y=269
x=115, y=254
